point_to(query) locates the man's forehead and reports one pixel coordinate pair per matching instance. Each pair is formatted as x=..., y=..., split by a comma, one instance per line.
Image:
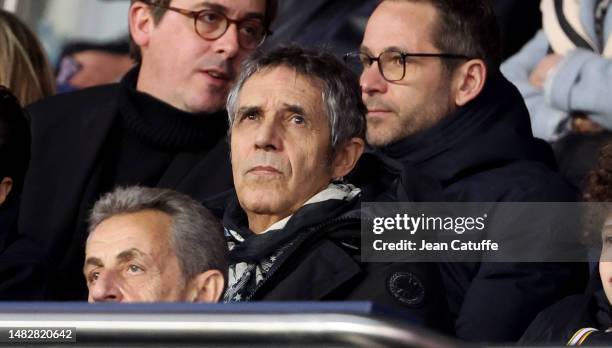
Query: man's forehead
x=608, y=223
x=296, y=88
x=228, y=7
x=120, y=255
x=112, y=243
x=143, y=229
x=403, y=25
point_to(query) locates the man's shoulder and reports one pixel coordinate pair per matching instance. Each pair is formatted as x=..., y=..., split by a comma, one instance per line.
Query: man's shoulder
x=518, y=181
x=73, y=104
x=535, y=181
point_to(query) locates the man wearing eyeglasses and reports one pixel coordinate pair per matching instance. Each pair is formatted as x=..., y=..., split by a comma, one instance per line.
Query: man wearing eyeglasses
x=436, y=101
x=163, y=125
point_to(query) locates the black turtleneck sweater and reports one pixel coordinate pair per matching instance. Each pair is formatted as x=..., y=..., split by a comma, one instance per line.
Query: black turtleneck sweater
x=150, y=143
x=149, y=135
x=86, y=143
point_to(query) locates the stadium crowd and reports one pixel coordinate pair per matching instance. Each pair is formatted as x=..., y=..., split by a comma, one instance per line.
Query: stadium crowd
x=231, y=159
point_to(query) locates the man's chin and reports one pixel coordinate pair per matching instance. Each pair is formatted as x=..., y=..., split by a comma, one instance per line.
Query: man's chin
x=209, y=109
x=381, y=136
x=260, y=208
x=257, y=203
x=206, y=102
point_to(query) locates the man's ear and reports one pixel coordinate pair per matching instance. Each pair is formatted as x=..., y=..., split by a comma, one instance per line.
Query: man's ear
x=207, y=286
x=469, y=80
x=140, y=23
x=5, y=188
x=346, y=157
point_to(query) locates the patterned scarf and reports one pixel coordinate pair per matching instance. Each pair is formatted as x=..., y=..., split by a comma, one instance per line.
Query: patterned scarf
x=244, y=278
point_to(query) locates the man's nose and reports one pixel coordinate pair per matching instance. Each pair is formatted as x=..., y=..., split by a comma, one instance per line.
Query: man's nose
x=106, y=288
x=372, y=81
x=268, y=136
x=228, y=44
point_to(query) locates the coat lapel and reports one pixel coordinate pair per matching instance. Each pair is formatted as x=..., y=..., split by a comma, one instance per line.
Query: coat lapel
x=63, y=156
x=83, y=150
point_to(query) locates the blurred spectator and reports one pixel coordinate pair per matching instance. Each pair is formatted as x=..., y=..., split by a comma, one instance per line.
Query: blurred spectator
x=336, y=25
x=163, y=125
x=585, y=319
x=14, y=157
x=437, y=101
x=85, y=64
x=25, y=69
x=565, y=76
x=154, y=245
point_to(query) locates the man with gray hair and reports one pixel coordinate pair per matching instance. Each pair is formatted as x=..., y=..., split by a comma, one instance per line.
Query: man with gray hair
x=153, y=245
x=297, y=127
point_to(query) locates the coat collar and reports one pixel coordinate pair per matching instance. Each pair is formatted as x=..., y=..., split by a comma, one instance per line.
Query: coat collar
x=491, y=130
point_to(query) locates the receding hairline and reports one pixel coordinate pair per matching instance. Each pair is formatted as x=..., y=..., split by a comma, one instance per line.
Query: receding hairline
x=434, y=23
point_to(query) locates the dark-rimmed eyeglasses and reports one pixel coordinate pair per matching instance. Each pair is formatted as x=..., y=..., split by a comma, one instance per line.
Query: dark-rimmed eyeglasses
x=391, y=63
x=211, y=25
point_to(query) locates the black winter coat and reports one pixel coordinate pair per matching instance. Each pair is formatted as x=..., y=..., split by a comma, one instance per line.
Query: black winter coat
x=558, y=324
x=324, y=265
x=485, y=152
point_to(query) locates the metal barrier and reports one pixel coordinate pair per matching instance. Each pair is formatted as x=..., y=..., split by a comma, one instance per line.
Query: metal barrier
x=217, y=325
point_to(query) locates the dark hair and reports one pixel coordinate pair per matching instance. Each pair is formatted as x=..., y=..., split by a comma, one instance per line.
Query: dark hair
x=196, y=235
x=467, y=27
x=599, y=181
x=14, y=139
x=341, y=93
x=598, y=189
x=159, y=11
